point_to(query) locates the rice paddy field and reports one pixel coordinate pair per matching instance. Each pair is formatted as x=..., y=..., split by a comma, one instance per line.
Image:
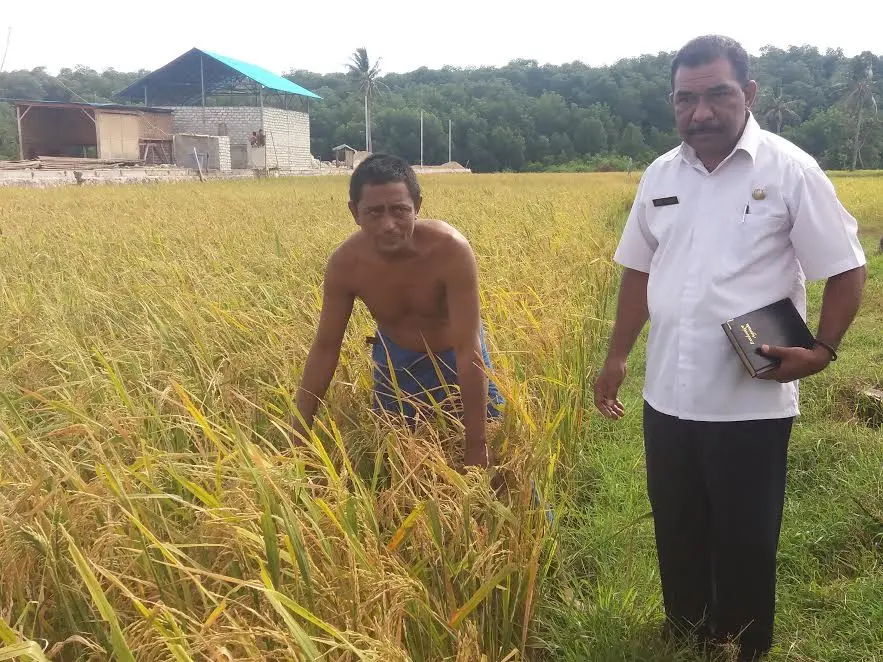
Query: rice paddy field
x=152, y=507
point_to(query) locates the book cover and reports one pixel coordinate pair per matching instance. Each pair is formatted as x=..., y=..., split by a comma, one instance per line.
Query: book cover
x=778, y=323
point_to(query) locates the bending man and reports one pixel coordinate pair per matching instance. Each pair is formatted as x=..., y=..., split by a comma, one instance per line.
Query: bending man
x=419, y=282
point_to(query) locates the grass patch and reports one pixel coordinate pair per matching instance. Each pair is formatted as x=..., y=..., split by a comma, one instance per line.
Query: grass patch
x=830, y=590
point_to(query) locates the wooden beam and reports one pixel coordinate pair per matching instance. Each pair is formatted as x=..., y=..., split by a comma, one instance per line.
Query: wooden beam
x=97, y=140
x=261, y=97
x=21, y=146
x=202, y=89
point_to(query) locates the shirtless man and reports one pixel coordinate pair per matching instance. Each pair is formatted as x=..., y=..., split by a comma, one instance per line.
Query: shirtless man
x=419, y=282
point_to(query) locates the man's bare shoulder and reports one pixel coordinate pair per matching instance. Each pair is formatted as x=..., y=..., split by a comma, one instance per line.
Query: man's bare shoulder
x=349, y=250
x=444, y=237
x=450, y=250
x=345, y=258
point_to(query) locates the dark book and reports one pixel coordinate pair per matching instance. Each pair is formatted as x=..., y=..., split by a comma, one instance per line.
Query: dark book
x=778, y=324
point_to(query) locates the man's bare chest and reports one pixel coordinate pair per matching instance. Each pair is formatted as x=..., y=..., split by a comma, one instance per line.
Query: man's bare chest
x=394, y=294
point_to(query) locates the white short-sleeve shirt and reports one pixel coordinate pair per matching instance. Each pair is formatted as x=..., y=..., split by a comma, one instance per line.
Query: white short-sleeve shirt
x=710, y=260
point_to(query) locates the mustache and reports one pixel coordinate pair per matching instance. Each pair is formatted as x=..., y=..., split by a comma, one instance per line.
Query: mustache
x=700, y=129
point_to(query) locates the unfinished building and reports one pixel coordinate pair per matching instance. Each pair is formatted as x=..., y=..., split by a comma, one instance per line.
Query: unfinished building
x=264, y=117
x=105, y=131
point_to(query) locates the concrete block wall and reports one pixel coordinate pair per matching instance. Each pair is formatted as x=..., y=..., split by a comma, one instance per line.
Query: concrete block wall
x=239, y=156
x=288, y=139
x=236, y=122
x=257, y=157
x=213, y=151
x=287, y=132
x=224, y=159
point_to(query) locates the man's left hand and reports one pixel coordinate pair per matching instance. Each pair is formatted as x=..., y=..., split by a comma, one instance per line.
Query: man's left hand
x=478, y=456
x=796, y=362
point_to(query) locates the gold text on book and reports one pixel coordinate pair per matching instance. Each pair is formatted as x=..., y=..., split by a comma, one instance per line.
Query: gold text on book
x=750, y=335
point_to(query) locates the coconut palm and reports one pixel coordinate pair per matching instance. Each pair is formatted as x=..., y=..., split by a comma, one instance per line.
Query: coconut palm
x=860, y=98
x=367, y=76
x=779, y=108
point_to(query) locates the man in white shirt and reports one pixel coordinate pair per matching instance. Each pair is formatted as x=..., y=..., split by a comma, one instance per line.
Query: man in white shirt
x=731, y=220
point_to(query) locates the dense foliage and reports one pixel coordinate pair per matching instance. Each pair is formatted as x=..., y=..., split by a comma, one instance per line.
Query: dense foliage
x=524, y=116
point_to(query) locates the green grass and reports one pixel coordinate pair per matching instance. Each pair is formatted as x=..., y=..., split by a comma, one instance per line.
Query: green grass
x=830, y=580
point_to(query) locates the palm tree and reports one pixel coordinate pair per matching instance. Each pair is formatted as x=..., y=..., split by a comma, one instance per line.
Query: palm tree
x=779, y=108
x=860, y=97
x=367, y=76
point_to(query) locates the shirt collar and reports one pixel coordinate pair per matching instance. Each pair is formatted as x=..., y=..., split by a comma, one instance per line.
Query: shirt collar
x=749, y=142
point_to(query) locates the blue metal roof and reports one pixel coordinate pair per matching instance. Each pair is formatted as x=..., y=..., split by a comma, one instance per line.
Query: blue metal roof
x=181, y=81
x=264, y=77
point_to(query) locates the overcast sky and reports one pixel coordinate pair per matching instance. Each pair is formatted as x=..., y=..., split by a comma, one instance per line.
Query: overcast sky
x=319, y=36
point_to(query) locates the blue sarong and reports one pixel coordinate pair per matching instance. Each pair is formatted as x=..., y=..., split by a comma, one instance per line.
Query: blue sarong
x=423, y=380
x=417, y=376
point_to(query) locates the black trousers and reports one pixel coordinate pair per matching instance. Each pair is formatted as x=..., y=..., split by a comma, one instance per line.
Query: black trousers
x=716, y=491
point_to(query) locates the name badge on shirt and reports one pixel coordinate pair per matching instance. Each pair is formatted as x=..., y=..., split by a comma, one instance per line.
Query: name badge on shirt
x=664, y=202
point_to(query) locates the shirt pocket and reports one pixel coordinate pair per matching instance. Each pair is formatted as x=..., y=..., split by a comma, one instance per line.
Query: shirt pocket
x=757, y=234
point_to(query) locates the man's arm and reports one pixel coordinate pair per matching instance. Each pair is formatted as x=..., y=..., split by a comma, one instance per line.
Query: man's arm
x=337, y=306
x=840, y=304
x=825, y=238
x=464, y=310
x=631, y=316
x=634, y=253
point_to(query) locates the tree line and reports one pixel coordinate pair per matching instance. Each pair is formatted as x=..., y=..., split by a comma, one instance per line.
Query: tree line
x=530, y=117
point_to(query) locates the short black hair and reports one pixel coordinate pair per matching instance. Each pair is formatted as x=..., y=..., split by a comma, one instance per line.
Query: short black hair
x=383, y=169
x=708, y=48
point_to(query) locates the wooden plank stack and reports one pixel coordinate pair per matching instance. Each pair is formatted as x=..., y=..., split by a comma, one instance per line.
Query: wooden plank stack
x=66, y=163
